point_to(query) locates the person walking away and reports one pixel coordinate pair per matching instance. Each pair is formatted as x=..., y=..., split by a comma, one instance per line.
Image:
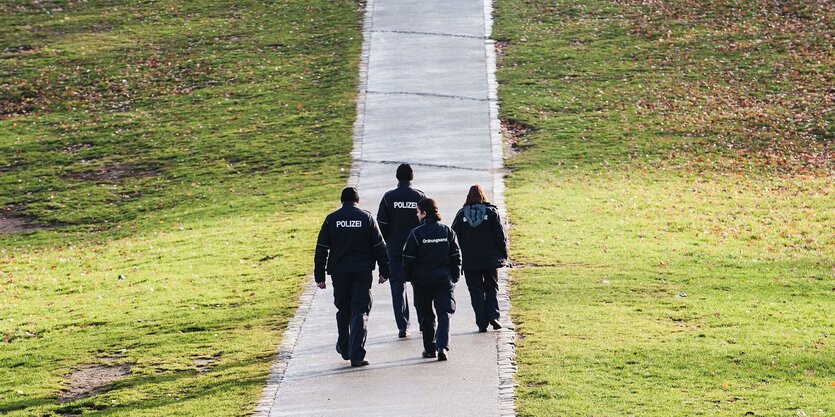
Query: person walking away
x=396, y=217
x=484, y=248
x=432, y=262
x=349, y=244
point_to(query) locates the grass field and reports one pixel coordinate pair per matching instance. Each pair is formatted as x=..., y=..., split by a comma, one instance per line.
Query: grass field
x=672, y=206
x=164, y=166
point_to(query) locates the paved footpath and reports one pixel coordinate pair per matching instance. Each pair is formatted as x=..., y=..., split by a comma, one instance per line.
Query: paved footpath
x=427, y=97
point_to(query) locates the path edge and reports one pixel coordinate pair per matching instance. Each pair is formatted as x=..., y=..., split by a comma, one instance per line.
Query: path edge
x=291, y=335
x=506, y=339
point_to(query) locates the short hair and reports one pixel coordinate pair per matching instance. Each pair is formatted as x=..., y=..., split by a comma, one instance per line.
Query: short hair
x=350, y=195
x=404, y=173
x=428, y=206
x=476, y=195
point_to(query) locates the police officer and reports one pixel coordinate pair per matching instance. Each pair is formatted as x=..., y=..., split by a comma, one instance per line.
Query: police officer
x=349, y=243
x=396, y=217
x=484, y=247
x=431, y=262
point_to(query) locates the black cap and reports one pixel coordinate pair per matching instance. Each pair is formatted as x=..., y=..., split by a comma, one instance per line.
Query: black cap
x=350, y=195
x=404, y=172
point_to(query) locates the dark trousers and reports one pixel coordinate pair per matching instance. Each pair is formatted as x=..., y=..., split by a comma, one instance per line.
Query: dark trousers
x=352, y=298
x=483, y=285
x=399, y=296
x=442, y=296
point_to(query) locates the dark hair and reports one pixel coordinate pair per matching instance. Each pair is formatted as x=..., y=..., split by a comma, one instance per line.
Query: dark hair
x=428, y=206
x=350, y=194
x=476, y=195
x=404, y=173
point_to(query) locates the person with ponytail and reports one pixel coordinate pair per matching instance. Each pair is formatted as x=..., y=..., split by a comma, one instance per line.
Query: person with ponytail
x=432, y=262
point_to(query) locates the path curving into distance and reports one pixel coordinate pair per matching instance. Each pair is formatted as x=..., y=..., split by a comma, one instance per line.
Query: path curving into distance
x=427, y=97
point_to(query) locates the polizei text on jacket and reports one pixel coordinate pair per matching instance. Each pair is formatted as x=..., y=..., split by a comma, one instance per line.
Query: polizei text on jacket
x=349, y=223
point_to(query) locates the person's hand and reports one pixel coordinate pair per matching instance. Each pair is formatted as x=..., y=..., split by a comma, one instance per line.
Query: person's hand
x=382, y=279
x=322, y=285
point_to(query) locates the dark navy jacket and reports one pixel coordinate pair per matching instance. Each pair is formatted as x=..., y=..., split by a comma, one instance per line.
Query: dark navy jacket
x=397, y=216
x=481, y=236
x=431, y=254
x=349, y=241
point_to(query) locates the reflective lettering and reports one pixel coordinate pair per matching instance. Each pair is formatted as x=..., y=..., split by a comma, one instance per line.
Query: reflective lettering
x=405, y=204
x=347, y=223
x=438, y=240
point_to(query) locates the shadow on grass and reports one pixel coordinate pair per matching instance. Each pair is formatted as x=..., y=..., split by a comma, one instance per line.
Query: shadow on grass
x=223, y=376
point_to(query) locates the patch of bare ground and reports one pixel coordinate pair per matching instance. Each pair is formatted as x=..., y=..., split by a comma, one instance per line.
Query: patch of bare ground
x=203, y=364
x=91, y=380
x=500, y=49
x=514, y=133
x=114, y=173
x=11, y=221
x=76, y=147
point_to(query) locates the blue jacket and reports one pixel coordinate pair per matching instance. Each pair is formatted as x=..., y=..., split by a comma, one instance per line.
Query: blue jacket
x=431, y=254
x=349, y=241
x=397, y=216
x=481, y=235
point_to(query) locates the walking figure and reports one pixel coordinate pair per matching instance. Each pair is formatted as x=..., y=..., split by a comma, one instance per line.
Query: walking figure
x=484, y=247
x=349, y=244
x=396, y=217
x=431, y=262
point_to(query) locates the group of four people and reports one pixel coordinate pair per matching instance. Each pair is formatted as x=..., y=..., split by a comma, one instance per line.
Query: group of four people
x=410, y=244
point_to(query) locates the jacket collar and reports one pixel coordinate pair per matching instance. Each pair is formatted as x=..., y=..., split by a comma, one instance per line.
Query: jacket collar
x=349, y=204
x=402, y=184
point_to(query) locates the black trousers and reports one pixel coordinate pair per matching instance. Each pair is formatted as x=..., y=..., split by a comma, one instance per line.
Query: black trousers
x=399, y=296
x=352, y=298
x=483, y=285
x=443, y=297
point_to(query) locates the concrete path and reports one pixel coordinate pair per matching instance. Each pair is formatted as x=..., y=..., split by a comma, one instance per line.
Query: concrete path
x=427, y=98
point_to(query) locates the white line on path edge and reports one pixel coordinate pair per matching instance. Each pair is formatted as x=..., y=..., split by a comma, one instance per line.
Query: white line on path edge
x=506, y=340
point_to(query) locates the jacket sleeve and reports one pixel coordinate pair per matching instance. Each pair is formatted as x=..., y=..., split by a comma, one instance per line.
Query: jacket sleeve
x=410, y=252
x=379, y=247
x=320, y=259
x=454, y=257
x=383, y=217
x=456, y=222
x=500, y=236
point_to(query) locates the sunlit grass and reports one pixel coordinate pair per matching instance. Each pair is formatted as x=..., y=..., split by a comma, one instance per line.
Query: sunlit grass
x=672, y=230
x=175, y=159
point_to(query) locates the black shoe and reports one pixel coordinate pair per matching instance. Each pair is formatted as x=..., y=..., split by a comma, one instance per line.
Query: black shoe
x=482, y=330
x=495, y=324
x=428, y=354
x=343, y=354
x=403, y=333
x=441, y=355
x=357, y=364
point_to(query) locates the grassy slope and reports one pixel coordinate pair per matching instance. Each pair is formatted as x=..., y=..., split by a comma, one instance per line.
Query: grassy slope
x=192, y=149
x=683, y=147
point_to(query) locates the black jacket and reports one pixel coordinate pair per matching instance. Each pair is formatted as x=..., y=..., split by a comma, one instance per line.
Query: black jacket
x=397, y=216
x=481, y=235
x=349, y=241
x=431, y=254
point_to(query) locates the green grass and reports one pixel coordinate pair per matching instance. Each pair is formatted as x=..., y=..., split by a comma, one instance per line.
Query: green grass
x=191, y=149
x=671, y=148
